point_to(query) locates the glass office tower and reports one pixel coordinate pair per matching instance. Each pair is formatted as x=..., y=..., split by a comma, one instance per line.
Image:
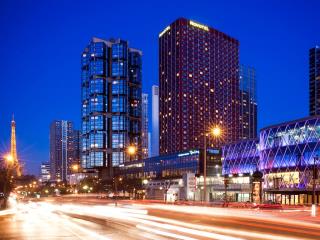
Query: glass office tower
x=314, y=78
x=111, y=104
x=199, y=86
x=248, y=103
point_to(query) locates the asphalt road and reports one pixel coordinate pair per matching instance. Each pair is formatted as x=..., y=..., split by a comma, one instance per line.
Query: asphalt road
x=82, y=218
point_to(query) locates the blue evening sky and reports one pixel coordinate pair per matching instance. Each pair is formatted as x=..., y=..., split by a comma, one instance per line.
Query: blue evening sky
x=41, y=43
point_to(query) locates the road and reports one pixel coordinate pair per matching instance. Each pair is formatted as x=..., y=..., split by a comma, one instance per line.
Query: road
x=83, y=218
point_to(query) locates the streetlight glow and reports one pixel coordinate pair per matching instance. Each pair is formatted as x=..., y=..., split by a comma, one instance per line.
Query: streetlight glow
x=75, y=167
x=216, y=131
x=132, y=150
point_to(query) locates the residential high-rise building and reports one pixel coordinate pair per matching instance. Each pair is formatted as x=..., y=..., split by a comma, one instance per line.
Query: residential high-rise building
x=61, y=149
x=248, y=103
x=155, y=121
x=76, y=148
x=199, y=86
x=144, y=126
x=111, y=105
x=45, y=172
x=314, y=79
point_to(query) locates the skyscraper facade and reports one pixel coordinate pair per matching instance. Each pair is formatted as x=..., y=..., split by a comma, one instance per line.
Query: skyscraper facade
x=314, y=81
x=45, y=172
x=111, y=104
x=144, y=126
x=199, y=86
x=61, y=149
x=76, y=148
x=248, y=103
x=155, y=121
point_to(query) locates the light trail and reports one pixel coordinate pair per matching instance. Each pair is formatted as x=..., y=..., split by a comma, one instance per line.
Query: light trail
x=138, y=217
x=166, y=234
x=245, y=214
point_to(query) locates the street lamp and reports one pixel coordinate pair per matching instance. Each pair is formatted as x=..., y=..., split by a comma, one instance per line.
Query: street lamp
x=131, y=150
x=216, y=133
x=145, y=181
x=313, y=207
x=75, y=167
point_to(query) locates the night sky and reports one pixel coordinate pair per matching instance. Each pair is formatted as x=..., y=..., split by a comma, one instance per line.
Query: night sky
x=41, y=43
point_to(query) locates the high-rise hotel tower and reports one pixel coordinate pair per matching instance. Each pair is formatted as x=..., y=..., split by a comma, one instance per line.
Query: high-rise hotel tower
x=314, y=81
x=111, y=104
x=199, y=86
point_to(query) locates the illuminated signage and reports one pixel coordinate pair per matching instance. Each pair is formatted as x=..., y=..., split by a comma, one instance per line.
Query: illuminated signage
x=213, y=151
x=191, y=152
x=198, y=25
x=164, y=31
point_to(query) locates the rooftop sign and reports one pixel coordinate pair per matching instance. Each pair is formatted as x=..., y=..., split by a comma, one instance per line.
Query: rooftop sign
x=164, y=31
x=198, y=25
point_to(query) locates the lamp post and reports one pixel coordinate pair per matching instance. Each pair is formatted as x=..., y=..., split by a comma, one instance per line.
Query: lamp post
x=313, y=207
x=116, y=180
x=215, y=132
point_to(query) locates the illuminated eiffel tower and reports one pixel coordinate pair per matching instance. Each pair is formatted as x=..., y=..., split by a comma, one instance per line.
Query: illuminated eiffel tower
x=13, y=149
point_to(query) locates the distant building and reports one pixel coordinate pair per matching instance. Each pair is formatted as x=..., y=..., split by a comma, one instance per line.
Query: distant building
x=76, y=147
x=61, y=149
x=314, y=81
x=248, y=103
x=45, y=172
x=111, y=78
x=155, y=121
x=199, y=86
x=149, y=144
x=144, y=126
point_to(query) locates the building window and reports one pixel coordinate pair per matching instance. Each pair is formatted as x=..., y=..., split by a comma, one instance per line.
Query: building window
x=118, y=104
x=119, y=123
x=119, y=69
x=117, y=158
x=117, y=140
x=119, y=87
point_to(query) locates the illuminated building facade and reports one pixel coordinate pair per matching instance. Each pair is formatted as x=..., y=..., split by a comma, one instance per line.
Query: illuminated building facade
x=314, y=79
x=45, y=172
x=241, y=158
x=61, y=149
x=174, y=165
x=76, y=148
x=288, y=155
x=111, y=104
x=199, y=86
x=144, y=126
x=248, y=103
x=155, y=122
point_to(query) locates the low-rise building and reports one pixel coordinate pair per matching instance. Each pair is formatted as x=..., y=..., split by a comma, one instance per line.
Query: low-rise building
x=286, y=154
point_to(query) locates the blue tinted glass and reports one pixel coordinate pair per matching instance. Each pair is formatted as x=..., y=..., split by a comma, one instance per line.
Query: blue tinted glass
x=119, y=69
x=119, y=87
x=119, y=123
x=117, y=140
x=118, y=104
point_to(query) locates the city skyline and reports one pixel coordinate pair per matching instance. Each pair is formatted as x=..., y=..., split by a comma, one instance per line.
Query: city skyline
x=67, y=106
